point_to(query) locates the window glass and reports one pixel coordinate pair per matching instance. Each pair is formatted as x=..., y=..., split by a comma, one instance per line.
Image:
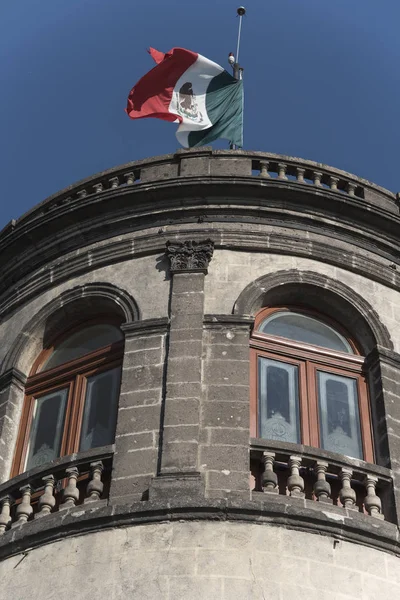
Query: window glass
x=302, y=328
x=100, y=412
x=339, y=414
x=47, y=428
x=278, y=400
x=82, y=342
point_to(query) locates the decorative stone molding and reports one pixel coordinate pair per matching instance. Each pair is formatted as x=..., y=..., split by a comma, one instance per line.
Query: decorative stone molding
x=12, y=377
x=106, y=253
x=190, y=256
x=117, y=300
x=145, y=327
x=342, y=298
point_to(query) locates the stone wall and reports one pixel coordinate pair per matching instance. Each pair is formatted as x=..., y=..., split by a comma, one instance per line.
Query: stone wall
x=200, y=560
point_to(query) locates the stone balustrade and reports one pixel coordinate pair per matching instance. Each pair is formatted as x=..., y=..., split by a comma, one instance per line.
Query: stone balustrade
x=204, y=162
x=63, y=484
x=331, y=479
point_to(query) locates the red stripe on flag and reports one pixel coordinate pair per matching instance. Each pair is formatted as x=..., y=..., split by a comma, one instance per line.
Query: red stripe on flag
x=152, y=94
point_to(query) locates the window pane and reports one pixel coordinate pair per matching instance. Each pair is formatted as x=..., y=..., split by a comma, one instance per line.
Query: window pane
x=302, y=328
x=339, y=414
x=278, y=400
x=82, y=342
x=100, y=412
x=47, y=428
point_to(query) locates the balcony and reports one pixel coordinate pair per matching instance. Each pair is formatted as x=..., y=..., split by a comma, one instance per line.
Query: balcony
x=76, y=480
x=323, y=477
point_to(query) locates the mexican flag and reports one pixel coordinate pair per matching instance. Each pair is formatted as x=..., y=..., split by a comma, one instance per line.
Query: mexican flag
x=187, y=88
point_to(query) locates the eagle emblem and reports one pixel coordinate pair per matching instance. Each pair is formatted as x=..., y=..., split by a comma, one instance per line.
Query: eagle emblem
x=187, y=105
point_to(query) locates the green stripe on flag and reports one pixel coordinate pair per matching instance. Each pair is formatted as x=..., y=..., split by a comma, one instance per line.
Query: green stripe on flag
x=224, y=104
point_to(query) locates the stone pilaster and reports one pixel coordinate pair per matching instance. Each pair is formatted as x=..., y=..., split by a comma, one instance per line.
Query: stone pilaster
x=12, y=385
x=384, y=368
x=140, y=407
x=181, y=418
x=225, y=416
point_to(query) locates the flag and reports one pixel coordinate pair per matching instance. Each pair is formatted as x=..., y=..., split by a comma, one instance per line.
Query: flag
x=187, y=88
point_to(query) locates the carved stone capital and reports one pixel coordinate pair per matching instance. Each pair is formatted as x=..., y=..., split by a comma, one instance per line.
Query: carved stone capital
x=190, y=256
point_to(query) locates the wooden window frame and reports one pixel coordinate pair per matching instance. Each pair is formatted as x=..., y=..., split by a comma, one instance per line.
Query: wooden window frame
x=310, y=359
x=72, y=374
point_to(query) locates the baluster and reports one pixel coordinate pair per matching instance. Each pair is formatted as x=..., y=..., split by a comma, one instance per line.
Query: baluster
x=264, y=165
x=322, y=488
x=351, y=188
x=295, y=482
x=300, y=174
x=24, y=508
x=347, y=495
x=334, y=182
x=98, y=187
x=372, y=501
x=269, y=478
x=46, y=501
x=5, y=518
x=130, y=178
x=82, y=194
x=317, y=178
x=282, y=171
x=71, y=492
x=95, y=485
x=114, y=182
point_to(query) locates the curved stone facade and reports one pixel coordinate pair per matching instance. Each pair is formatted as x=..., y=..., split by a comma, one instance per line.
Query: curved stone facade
x=184, y=250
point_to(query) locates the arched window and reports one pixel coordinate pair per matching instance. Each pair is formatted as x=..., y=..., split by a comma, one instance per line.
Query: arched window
x=71, y=396
x=308, y=385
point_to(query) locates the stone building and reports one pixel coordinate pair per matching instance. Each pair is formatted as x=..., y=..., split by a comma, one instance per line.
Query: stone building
x=199, y=385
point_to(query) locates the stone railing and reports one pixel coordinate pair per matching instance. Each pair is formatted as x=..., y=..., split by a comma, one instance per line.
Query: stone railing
x=204, y=162
x=325, y=477
x=70, y=481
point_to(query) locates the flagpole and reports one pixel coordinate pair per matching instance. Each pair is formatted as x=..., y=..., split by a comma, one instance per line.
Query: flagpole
x=237, y=69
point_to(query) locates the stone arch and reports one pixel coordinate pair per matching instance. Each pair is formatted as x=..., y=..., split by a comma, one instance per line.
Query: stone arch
x=71, y=306
x=321, y=293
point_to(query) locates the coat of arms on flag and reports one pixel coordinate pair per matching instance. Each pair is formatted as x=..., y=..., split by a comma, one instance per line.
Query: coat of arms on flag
x=187, y=88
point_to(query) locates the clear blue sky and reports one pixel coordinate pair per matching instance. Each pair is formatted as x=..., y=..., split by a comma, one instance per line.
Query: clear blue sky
x=322, y=81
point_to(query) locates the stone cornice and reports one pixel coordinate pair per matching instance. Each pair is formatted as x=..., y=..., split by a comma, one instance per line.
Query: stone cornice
x=145, y=327
x=228, y=321
x=172, y=189
x=12, y=377
x=279, y=511
x=383, y=355
x=57, y=271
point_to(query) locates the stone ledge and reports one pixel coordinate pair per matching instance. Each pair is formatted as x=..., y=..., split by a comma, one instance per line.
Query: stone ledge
x=278, y=511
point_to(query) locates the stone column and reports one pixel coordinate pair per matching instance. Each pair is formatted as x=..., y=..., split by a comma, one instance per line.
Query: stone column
x=181, y=420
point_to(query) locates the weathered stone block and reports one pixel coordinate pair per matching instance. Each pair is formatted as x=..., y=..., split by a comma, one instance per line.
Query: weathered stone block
x=138, y=419
x=140, y=398
x=136, y=441
x=227, y=393
x=183, y=390
x=138, y=462
x=225, y=414
x=233, y=372
x=218, y=458
x=137, y=378
x=187, y=303
x=182, y=412
x=180, y=456
x=186, y=369
x=228, y=480
x=182, y=433
x=178, y=349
